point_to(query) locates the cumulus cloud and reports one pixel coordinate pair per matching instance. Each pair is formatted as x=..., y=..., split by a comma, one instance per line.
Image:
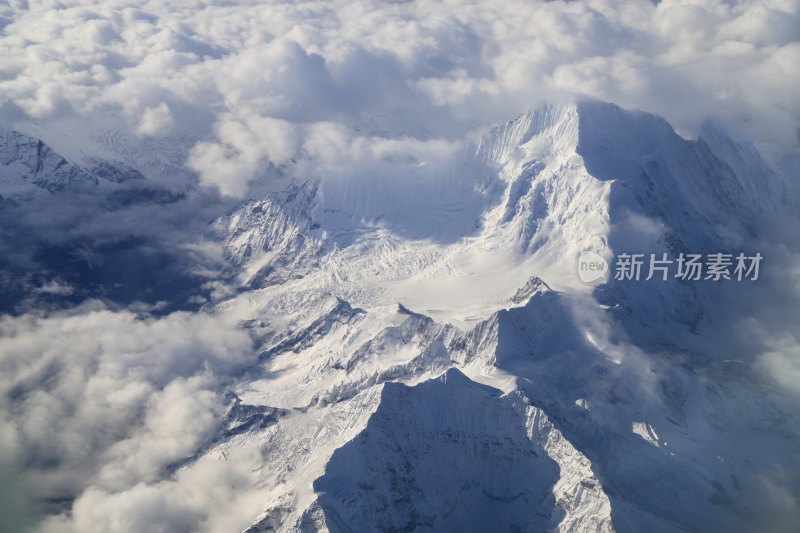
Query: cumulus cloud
x=248, y=76
x=243, y=146
x=782, y=362
x=156, y=120
x=101, y=401
x=216, y=494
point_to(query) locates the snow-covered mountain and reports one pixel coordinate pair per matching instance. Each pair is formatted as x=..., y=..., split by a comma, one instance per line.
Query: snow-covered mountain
x=28, y=165
x=428, y=359
x=355, y=285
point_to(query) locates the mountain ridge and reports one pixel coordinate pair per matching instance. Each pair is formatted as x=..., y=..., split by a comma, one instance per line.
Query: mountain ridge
x=425, y=343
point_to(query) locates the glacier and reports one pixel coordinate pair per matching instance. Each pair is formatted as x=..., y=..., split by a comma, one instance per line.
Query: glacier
x=427, y=358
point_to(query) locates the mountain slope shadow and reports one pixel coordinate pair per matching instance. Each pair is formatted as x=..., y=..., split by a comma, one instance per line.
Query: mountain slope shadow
x=446, y=455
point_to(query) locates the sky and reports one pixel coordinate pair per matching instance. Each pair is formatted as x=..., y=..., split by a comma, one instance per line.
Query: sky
x=310, y=88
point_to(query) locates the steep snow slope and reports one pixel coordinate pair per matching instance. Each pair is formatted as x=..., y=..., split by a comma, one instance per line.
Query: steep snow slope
x=28, y=165
x=60, y=151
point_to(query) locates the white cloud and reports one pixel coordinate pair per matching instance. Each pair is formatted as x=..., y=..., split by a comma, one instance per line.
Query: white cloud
x=156, y=120
x=415, y=69
x=782, y=363
x=243, y=146
x=214, y=495
x=109, y=400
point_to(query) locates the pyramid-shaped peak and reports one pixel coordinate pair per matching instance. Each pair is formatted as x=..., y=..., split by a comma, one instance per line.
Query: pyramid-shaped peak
x=592, y=117
x=569, y=126
x=603, y=120
x=557, y=121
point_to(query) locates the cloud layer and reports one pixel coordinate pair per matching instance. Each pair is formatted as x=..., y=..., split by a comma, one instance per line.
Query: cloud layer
x=252, y=74
x=107, y=401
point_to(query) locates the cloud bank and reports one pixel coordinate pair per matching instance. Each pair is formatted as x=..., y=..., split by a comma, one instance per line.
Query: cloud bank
x=102, y=404
x=254, y=75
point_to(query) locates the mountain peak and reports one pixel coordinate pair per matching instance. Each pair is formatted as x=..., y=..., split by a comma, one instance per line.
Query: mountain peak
x=579, y=126
x=28, y=165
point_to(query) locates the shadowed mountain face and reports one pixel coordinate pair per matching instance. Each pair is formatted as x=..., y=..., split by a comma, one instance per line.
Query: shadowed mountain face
x=447, y=454
x=425, y=357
